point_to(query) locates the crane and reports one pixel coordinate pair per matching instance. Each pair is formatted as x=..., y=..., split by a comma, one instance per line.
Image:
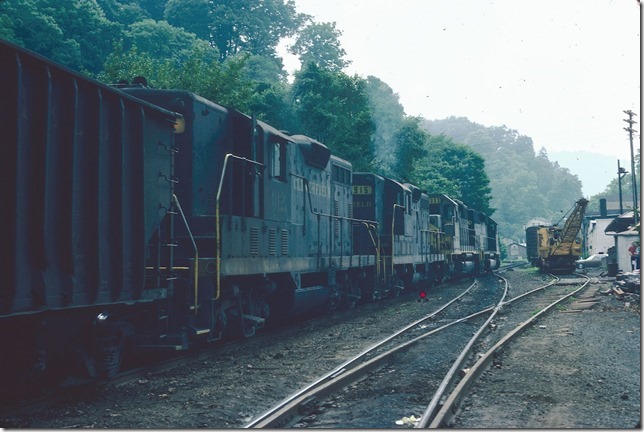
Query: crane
x=558, y=247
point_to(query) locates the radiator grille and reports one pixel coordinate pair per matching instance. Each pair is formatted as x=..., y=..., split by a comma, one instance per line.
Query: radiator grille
x=254, y=241
x=336, y=220
x=272, y=242
x=284, y=242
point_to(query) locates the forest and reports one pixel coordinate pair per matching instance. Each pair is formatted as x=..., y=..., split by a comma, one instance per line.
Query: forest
x=226, y=51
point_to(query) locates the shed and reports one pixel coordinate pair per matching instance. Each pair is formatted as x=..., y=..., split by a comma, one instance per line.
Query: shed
x=516, y=251
x=623, y=230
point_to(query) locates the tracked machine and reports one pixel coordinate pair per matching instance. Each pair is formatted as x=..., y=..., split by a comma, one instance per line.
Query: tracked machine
x=555, y=249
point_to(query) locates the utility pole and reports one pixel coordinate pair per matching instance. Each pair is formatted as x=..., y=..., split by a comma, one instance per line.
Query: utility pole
x=621, y=172
x=630, y=131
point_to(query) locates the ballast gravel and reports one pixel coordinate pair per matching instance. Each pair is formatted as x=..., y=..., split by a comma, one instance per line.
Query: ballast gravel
x=574, y=369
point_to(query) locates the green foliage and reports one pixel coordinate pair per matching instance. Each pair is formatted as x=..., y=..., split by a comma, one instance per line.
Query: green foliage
x=611, y=192
x=264, y=69
x=124, y=12
x=409, y=143
x=333, y=108
x=194, y=16
x=271, y=103
x=153, y=8
x=504, y=251
x=160, y=40
x=455, y=170
x=524, y=185
x=320, y=44
x=236, y=26
x=224, y=50
x=199, y=73
x=75, y=33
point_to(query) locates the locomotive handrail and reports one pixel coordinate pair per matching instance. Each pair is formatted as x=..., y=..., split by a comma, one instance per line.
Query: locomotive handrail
x=218, y=230
x=375, y=245
x=194, y=245
x=317, y=213
x=393, y=224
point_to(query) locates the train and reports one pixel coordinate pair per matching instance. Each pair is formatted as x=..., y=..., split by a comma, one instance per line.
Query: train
x=140, y=219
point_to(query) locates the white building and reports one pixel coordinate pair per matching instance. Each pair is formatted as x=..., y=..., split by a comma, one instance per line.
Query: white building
x=516, y=251
x=598, y=241
x=621, y=229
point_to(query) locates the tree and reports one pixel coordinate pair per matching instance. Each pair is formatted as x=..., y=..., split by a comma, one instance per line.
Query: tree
x=75, y=33
x=235, y=26
x=524, y=185
x=271, y=104
x=154, y=8
x=333, y=108
x=388, y=116
x=410, y=145
x=611, y=191
x=162, y=41
x=271, y=96
x=124, y=12
x=194, y=16
x=455, y=170
x=263, y=69
x=320, y=44
x=199, y=73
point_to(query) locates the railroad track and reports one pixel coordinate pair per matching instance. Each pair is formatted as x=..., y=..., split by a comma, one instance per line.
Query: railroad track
x=38, y=399
x=551, y=295
x=313, y=405
x=303, y=405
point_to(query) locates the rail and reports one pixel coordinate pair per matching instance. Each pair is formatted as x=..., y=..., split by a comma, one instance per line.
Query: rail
x=289, y=406
x=448, y=409
x=451, y=376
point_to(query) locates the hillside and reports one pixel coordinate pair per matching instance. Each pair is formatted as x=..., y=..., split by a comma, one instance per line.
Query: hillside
x=593, y=169
x=525, y=184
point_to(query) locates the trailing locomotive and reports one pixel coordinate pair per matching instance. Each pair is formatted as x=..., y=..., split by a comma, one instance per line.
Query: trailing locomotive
x=157, y=219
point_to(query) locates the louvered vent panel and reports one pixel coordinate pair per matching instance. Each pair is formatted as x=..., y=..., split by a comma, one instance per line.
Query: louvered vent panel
x=350, y=217
x=272, y=242
x=336, y=224
x=284, y=242
x=254, y=241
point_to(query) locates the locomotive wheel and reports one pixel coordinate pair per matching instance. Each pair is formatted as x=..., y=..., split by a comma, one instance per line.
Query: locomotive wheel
x=218, y=329
x=349, y=301
x=108, y=354
x=103, y=351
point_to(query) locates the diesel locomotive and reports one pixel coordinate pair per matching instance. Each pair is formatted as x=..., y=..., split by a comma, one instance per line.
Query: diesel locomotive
x=155, y=219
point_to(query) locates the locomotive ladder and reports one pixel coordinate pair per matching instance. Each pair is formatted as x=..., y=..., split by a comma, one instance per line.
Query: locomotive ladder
x=166, y=271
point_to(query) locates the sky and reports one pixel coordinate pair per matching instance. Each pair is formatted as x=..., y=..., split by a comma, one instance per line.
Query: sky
x=559, y=71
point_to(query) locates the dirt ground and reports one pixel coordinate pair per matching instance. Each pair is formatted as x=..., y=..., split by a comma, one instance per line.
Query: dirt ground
x=581, y=370
x=577, y=368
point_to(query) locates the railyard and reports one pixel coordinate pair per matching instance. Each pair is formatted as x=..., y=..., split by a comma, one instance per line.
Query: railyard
x=148, y=250
x=579, y=366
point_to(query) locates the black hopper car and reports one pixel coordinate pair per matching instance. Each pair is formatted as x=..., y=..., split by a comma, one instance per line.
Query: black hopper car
x=156, y=219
